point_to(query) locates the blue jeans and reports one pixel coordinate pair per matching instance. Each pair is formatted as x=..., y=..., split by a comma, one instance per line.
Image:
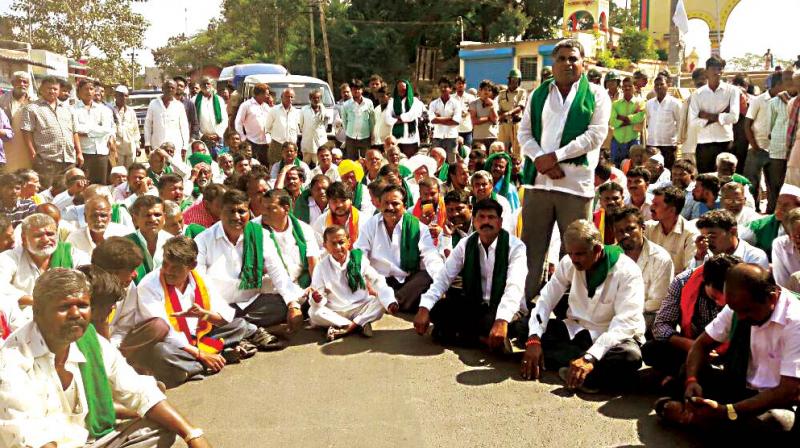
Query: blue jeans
x=619, y=151
x=467, y=136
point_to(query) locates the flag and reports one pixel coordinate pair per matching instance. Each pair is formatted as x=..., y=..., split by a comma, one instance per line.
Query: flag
x=680, y=19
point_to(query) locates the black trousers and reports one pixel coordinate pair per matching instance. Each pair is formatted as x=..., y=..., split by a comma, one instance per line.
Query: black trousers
x=706, y=155
x=461, y=320
x=669, y=155
x=260, y=153
x=664, y=357
x=267, y=310
x=775, y=175
x=616, y=369
x=409, y=292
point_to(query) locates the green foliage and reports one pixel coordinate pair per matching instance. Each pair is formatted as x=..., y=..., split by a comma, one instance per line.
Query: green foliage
x=635, y=44
x=106, y=27
x=620, y=17
x=511, y=23
x=663, y=55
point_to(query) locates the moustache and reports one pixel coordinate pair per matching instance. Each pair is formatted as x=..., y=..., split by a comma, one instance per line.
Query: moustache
x=487, y=227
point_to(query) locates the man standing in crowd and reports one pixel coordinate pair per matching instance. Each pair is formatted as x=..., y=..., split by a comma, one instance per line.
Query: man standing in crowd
x=358, y=119
x=211, y=114
x=94, y=124
x=465, y=98
x=663, y=119
x=757, y=129
x=445, y=115
x=12, y=103
x=251, y=121
x=50, y=134
x=564, y=153
x=191, y=111
x=626, y=112
x=166, y=121
x=511, y=102
x=713, y=110
x=127, y=128
x=313, y=125
x=283, y=125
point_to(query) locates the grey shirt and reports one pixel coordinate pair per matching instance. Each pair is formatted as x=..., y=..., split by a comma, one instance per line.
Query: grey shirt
x=52, y=130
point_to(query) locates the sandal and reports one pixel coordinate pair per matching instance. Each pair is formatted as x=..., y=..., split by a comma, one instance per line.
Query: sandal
x=265, y=341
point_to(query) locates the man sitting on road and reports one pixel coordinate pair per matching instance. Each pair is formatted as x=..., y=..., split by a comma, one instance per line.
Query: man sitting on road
x=598, y=344
x=719, y=235
x=67, y=397
x=98, y=215
x=341, y=298
x=488, y=307
x=150, y=236
x=401, y=249
x=757, y=388
x=340, y=212
x=352, y=173
x=762, y=232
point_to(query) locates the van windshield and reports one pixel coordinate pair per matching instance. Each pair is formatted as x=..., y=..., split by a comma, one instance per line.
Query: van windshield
x=301, y=91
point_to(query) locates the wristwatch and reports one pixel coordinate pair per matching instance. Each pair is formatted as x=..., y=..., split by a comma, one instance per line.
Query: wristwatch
x=731, y=412
x=589, y=358
x=195, y=433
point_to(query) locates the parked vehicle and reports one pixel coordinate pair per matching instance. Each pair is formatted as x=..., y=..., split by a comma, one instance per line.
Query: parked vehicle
x=235, y=74
x=139, y=100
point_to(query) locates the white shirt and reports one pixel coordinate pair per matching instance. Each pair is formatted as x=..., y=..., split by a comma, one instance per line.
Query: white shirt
x=704, y=99
x=382, y=130
x=220, y=262
x=465, y=125
x=97, y=121
x=289, y=251
x=332, y=173
x=785, y=260
x=206, y=118
x=746, y=216
x=251, y=121
x=127, y=315
x=63, y=200
x=166, y=124
x=774, y=346
x=158, y=256
x=18, y=274
x=657, y=272
x=663, y=118
x=760, y=114
x=283, y=125
x=36, y=409
x=125, y=197
x=451, y=109
x=578, y=180
x=411, y=115
x=614, y=313
x=745, y=251
x=384, y=251
x=276, y=170
x=645, y=207
x=82, y=240
x=330, y=279
x=75, y=214
x=127, y=131
x=313, y=128
x=513, y=298
x=152, y=303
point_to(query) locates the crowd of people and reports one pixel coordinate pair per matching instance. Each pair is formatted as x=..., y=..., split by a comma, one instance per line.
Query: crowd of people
x=590, y=225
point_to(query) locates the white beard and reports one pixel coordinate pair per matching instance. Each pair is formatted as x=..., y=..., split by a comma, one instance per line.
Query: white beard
x=46, y=252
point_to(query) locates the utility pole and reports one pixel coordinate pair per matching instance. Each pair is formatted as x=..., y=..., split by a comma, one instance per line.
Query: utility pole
x=133, y=68
x=324, y=29
x=313, y=45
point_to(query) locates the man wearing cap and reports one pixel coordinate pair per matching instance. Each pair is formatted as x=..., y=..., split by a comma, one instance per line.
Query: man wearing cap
x=762, y=232
x=594, y=76
x=127, y=128
x=351, y=174
x=511, y=102
x=562, y=129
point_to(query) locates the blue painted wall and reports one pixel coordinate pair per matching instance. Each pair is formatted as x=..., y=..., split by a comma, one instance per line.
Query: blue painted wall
x=492, y=64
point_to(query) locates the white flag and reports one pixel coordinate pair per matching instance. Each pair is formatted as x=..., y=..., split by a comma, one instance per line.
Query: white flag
x=680, y=19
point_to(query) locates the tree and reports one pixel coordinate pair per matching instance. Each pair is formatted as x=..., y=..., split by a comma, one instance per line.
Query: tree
x=621, y=17
x=82, y=29
x=635, y=45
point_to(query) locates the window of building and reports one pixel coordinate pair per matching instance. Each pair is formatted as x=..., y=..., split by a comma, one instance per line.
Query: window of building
x=529, y=68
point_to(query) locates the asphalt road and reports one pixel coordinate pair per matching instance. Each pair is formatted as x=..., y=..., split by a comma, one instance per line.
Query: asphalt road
x=401, y=390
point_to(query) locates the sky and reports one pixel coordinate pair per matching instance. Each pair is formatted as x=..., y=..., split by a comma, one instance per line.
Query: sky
x=751, y=26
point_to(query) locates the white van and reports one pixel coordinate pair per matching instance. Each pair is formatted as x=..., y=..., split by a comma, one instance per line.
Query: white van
x=302, y=85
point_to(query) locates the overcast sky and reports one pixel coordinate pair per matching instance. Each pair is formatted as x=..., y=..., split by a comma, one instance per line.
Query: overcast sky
x=752, y=26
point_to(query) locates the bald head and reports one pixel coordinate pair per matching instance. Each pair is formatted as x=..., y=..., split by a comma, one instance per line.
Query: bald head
x=50, y=210
x=751, y=292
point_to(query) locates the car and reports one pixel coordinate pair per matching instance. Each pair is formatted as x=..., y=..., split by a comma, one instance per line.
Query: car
x=235, y=74
x=139, y=100
x=302, y=85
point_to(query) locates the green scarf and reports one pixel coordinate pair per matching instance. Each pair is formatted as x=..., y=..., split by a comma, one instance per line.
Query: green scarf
x=147, y=260
x=404, y=171
x=358, y=195
x=252, y=257
x=506, y=180
x=471, y=272
x=473, y=200
x=62, y=257
x=199, y=157
x=578, y=119
x=155, y=177
x=101, y=417
x=602, y=268
x=282, y=164
x=116, y=215
x=193, y=229
x=444, y=171
x=409, y=203
x=354, y=278
x=456, y=238
x=398, y=130
x=187, y=202
x=766, y=230
x=409, y=244
x=300, y=239
x=301, y=208
x=215, y=101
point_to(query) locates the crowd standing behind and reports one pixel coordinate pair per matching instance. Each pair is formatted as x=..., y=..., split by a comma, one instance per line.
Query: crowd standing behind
x=589, y=227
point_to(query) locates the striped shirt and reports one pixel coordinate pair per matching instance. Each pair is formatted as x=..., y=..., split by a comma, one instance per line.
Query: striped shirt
x=52, y=130
x=20, y=211
x=779, y=120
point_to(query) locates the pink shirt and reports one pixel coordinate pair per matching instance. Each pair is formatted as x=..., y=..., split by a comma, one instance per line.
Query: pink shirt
x=774, y=346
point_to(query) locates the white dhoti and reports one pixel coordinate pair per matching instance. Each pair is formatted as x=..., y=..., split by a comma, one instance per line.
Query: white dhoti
x=361, y=314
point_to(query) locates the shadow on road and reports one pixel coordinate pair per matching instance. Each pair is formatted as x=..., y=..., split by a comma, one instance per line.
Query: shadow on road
x=391, y=342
